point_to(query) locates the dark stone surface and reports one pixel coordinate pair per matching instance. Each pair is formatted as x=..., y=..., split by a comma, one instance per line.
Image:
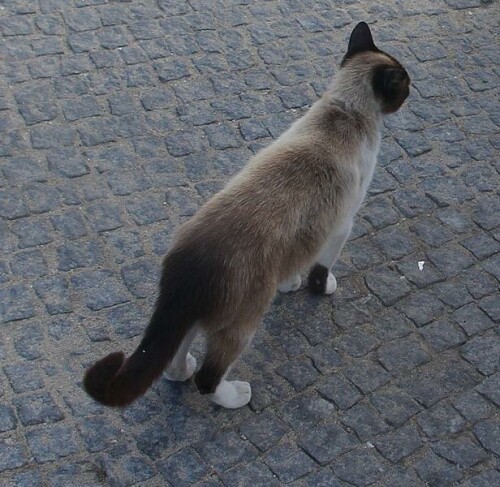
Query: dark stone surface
x=260, y=474
x=24, y=377
x=8, y=419
x=119, y=119
x=403, y=354
x=183, y=468
x=289, y=462
x=462, y=451
x=483, y=352
x=100, y=289
x=471, y=319
x=97, y=434
x=225, y=450
x=394, y=405
x=16, y=303
x=421, y=307
x=300, y=373
x=436, y=470
x=326, y=442
x=387, y=285
x=339, y=390
x=367, y=375
x=489, y=388
x=306, y=410
x=488, y=434
x=51, y=443
x=360, y=467
x=441, y=335
x=365, y=421
x=37, y=408
x=472, y=406
x=440, y=420
x=400, y=443
x=264, y=430
x=11, y=455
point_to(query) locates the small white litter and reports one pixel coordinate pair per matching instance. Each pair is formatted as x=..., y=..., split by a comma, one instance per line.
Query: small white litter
x=421, y=265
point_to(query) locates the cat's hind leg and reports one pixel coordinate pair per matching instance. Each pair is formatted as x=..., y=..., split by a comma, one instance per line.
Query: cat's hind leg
x=321, y=279
x=291, y=284
x=223, y=348
x=183, y=364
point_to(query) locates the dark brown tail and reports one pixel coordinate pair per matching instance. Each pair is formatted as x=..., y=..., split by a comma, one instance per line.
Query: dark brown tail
x=116, y=381
x=190, y=289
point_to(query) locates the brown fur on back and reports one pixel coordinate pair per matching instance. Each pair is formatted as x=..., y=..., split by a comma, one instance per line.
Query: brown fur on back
x=274, y=218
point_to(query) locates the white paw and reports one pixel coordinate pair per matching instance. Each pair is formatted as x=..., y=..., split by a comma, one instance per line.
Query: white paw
x=291, y=284
x=232, y=394
x=331, y=284
x=183, y=372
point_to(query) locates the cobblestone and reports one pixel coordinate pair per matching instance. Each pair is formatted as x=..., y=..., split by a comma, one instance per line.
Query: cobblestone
x=489, y=477
x=8, y=419
x=12, y=456
x=434, y=470
x=395, y=406
x=225, y=450
x=24, y=377
x=51, y=443
x=16, y=303
x=37, y=408
x=184, y=468
x=100, y=289
x=289, y=463
x=471, y=319
x=400, y=443
x=31, y=233
x=462, y=451
x=367, y=375
x=359, y=467
x=441, y=335
x=483, y=353
x=97, y=434
x=119, y=118
x=487, y=432
x=439, y=420
x=306, y=410
x=365, y=421
x=326, y=442
x=264, y=430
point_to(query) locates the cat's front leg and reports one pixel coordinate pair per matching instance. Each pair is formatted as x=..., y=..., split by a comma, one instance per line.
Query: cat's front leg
x=321, y=280
x=291, y=284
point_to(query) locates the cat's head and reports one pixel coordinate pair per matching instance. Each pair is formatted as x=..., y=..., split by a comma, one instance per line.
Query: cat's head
x=388, y=79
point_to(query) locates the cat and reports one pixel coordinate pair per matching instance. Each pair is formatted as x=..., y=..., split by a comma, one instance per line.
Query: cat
x=291, y=207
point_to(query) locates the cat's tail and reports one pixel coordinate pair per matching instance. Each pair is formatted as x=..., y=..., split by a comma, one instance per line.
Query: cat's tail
x=191, y=288
x=117, y=381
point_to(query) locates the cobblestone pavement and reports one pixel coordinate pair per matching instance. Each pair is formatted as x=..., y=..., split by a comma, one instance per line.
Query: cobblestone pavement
x=118, y=119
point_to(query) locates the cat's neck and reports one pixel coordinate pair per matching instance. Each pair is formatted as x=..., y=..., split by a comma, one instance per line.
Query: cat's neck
x=354, y=96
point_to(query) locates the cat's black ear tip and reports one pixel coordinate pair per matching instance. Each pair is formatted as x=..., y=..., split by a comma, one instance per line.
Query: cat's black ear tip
x=362, y=25
x=362, y=28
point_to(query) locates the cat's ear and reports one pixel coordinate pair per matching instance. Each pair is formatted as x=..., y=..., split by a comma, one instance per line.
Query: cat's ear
x=361, y=40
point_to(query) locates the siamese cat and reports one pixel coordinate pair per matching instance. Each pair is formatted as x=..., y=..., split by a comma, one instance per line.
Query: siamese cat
x=291, y=207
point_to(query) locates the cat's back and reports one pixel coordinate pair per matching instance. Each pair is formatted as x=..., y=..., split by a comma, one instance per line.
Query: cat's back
x=286, y=186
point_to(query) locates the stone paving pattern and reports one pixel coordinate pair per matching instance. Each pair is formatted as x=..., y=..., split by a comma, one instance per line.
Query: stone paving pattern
x=118, y=119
